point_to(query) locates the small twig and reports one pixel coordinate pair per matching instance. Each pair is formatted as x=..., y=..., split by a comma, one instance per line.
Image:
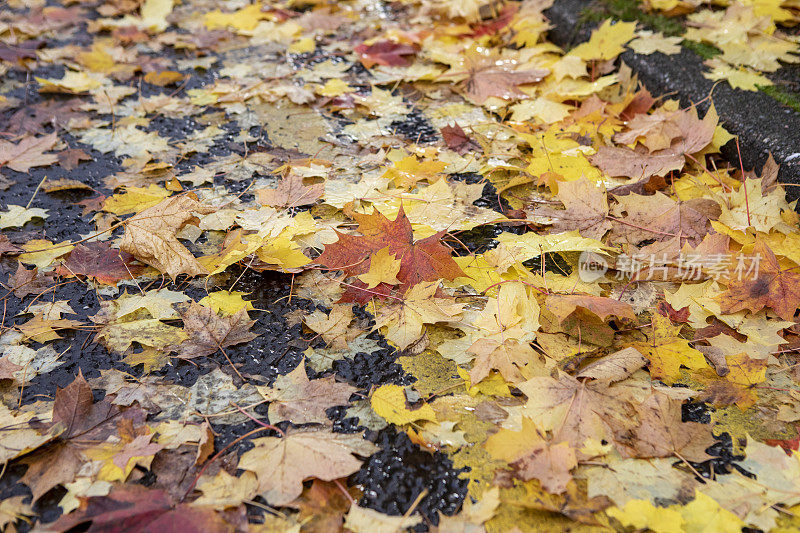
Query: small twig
x=744, y=184
x=35, y=191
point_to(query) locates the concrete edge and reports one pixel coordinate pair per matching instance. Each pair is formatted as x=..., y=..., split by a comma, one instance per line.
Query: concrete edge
x=762, y=124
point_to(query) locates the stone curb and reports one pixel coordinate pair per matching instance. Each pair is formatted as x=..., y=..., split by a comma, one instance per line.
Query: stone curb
x=762, y=124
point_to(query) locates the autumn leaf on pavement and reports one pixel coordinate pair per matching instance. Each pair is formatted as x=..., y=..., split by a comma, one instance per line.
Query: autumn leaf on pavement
x=17, y=216
x=640, y=163
x=662, y=433
x=390, y=403
x=616, y=366
x=585, y=209
x=667, y=351
x=769, y=285
x=408, y=171
x=8, y=368
x=18, y=437
x=323, y=506
x=507, y=357
x=25, y=281
x=150, y=236
x=209, y=332
x=383, y=268
x=606, y=41
x=457, y=140
x=550, y=464
x=577, y=411
x=587, y=316
x=658, y=130
x=81, y=423
x=23, y=50
x=387, y=53
x=290, y=192
x=423, y=260
x=101, y=262
x=739, y=385
x=405, y=318
x=43, y=329
x=489, y=76
x=659, y=217
x=29, y=152
x=295, y=398
x=137, y=508
x=7, y=247
x=334, y=328
x=12, y=509
x=364, y=520
x=70, y=158
x=283, y=463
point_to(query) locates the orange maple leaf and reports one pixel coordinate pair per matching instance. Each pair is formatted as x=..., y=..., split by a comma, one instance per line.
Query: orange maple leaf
x=423, y=260
x=768, y=286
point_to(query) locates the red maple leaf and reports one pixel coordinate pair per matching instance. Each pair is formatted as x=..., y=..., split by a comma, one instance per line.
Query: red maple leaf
x=423, y=260
x=388, y=53
x=100, y=261
x=458, y=141
x=135, y=508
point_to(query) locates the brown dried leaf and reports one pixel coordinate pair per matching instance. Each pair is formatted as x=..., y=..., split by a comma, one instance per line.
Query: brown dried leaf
x=295, y=398
x=282, y=464
x=662, y=433
x=615, y=367
x=490, y=76
x=291, y=192
x=29, y=152
x=586, y=209
x=769, y=286
x=150, y=235
x=661, y=218
x=550, y=464
x=209, y=332
x=696, y=134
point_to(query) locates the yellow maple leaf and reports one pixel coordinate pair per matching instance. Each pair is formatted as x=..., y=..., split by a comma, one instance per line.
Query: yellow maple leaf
x=494, y=385
x=641, y=514
x=606, y=41
x=405, y=319
x=509, y=445
x=135, y=199
x=245, y=19
x=408, y=171
x=334, y=87
x=72, y=83
x=226, y=302
x=154, y=14
x=302, y=46
x=541, y=108
x=389, y=402
x=667, y=352
x=705, y=514
x=383, y=268
x=284, y=252
x=648, y=42
x=738, y=77
x=41, y=252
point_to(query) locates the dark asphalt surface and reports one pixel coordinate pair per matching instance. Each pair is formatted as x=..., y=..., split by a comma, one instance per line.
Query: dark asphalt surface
x=391, y=480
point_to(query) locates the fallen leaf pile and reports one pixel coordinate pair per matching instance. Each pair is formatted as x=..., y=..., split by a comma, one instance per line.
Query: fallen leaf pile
x=746, y=39
x=372, y=266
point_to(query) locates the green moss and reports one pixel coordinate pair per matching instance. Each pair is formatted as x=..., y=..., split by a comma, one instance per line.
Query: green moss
x=783, y=96
x=630, y=11
x=706, y=51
